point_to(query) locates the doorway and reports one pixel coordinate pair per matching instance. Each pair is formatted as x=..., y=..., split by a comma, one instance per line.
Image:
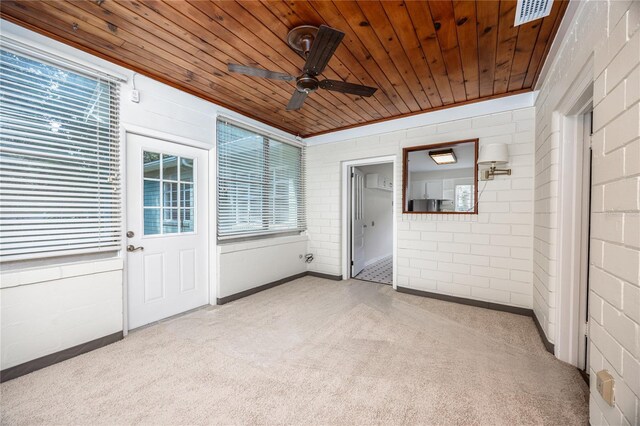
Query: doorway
x=167, y=229
x=574, y=215
x=585, y=236
x=371, y=223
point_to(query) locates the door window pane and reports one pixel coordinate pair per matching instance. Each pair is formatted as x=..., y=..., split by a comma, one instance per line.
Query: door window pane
x=151, y=221
x=151, y=165
x=168, y=194
x=151, y=193
x=169, y=221
x=186, y=195
x=169, y=167
x=186, y=170
x=186, y=220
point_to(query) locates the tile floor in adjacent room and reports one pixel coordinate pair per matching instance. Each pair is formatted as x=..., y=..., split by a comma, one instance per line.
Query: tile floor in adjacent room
x=313, y=351
x=378, y=272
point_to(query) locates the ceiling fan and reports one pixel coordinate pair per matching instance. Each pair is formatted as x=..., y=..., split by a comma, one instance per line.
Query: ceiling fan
x=317, y=45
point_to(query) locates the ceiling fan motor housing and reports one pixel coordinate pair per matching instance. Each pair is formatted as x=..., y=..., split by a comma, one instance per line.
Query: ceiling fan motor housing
x=307, y=83
x=301, y=38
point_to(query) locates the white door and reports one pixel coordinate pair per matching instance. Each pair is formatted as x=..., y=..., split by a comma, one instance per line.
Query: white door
x=357, y=221
x=167, y=252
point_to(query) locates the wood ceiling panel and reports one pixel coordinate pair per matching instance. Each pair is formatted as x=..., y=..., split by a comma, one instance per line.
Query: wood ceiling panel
x=421, y=56
x=445, y=31
x=507, y=38
x=487, y=14
x=408, y=41
x=465, y=18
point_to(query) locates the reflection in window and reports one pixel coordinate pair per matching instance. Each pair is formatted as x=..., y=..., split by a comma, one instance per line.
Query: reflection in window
x=175, y=176
x=433, y=186
x=464, y=198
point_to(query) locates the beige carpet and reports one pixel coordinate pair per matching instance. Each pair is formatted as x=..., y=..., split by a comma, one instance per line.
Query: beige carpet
x=312, y=351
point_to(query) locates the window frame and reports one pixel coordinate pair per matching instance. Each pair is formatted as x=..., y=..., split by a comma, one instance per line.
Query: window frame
x=114, y=216
x=268, y=194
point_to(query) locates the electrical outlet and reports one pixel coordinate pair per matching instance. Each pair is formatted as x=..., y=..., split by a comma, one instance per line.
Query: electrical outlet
x=604, y=385
x=135, y=96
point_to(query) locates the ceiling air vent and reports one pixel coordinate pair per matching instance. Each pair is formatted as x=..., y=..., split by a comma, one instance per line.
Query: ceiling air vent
x=530, y=10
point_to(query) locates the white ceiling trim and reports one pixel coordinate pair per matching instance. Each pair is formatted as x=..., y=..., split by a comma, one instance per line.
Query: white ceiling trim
x=493, y=106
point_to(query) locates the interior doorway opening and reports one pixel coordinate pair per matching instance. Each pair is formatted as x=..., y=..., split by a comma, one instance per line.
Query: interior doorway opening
x=371, y=222
x=586, y=121
x=574, y=214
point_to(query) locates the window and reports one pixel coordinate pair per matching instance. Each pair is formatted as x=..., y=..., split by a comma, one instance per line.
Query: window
x=260, y=184
x=59, y=160
x=169, y=173
x=464, y=198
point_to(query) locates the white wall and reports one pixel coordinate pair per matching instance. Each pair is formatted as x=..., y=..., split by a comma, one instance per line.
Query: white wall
x=161, y=109
x=244, y=266
x=485, y=256
x=49, y=309
x=378, y=209
x=604, y=35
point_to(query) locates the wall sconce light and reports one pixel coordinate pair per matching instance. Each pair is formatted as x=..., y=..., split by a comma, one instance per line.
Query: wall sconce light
x=444, y=156
x=494, y=154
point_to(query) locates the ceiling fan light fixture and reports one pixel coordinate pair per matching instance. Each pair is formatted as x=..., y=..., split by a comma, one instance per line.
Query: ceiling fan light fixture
x=443, y=156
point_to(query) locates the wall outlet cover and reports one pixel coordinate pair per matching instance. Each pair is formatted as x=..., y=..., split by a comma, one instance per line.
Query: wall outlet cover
x=604, y=385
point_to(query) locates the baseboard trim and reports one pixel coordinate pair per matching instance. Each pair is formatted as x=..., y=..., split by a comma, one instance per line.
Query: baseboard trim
x=249, y=292
x=487, y=305
x=471, y=302
x=547, y=344
x=245, y=293
x=54, y=358
x=326, y=276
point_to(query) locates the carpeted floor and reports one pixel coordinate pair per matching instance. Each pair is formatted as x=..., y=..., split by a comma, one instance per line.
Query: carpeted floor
x=312, y=351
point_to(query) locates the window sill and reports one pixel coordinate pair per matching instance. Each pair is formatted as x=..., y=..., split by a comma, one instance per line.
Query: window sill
x=49, y=273
x=231, y=246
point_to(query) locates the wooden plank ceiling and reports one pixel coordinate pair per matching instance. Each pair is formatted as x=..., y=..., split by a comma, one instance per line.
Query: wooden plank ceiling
x=420, y=55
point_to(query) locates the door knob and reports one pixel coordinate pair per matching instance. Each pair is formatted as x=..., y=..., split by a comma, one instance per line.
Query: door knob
x=131, y=248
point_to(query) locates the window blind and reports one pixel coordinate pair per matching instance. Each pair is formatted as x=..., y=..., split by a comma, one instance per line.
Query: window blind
x=59, y=160
x=260, y=184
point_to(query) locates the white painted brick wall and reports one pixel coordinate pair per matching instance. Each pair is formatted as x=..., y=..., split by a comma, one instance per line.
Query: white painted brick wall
x=485, y=257
x=609, y=32
x=48, y=309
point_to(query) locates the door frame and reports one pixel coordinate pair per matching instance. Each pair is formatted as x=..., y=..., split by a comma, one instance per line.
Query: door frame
x=125, y=130
x=571, y=180
x=345, y=214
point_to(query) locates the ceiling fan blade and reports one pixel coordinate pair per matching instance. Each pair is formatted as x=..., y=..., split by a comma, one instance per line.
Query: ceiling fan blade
x=257, y=72
x=350, y=88
x=296, y=100
x=324, y=45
